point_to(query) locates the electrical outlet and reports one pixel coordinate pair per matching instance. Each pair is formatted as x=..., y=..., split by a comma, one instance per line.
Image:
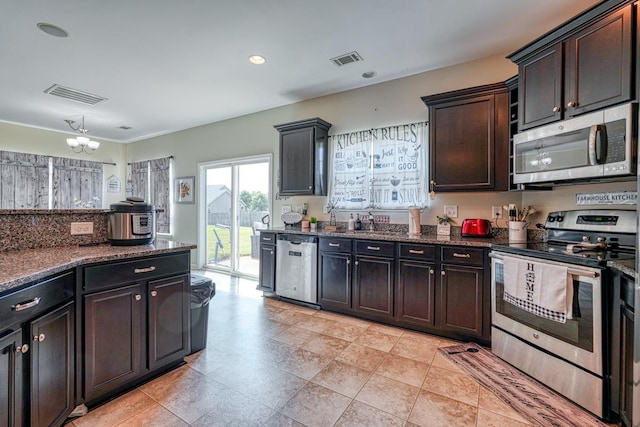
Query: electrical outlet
x=81, y=228
x=285, y=208
x=451, y=211
x=496, y=212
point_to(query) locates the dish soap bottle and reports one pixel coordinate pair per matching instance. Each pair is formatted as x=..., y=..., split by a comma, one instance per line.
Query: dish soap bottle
x=351, y=225
x=358, y=223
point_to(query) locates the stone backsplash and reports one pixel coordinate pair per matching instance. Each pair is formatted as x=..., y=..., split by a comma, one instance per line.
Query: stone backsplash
x=43, y=228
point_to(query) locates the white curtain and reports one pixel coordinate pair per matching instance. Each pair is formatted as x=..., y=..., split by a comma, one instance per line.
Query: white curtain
x=383, y=168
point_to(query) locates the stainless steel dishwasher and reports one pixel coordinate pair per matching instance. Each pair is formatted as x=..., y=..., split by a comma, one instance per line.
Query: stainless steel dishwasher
x=297, y=267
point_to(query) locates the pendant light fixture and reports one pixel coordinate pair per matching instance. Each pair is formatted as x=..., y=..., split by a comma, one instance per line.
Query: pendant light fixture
x=81, y=143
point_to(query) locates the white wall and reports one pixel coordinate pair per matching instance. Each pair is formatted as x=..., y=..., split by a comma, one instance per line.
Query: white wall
x=24, y=139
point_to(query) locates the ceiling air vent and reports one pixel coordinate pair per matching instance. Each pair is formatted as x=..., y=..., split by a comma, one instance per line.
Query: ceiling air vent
x=123, y=127
x=347, y=58
x=74, y=95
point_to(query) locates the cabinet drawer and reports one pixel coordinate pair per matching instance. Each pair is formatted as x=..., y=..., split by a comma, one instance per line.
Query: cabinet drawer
x=463, y=255
x=331, y=244
x=18, y=306
x=375, y=248
x=417, y=252
x=117, y=273
x=267, y=238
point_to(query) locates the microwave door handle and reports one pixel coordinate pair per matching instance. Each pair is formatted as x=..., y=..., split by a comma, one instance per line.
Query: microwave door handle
x=597, y=144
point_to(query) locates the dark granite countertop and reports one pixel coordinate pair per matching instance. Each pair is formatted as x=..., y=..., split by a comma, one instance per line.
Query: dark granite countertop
x=393, y=236
x=24, y=266
x=627, y=266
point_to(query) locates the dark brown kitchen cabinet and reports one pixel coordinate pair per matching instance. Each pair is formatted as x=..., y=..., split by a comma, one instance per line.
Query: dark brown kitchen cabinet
x=136, y=321
x=469, y=139
x=374, y=278
x=622, y=343
x=415, y=295
x=590, y=68
x=303, y=157
x=334, y=274
x=11, y=395
x=267, y=271
x=113, y=339
x=463, y=295
x=168, y=320
x=52, y=372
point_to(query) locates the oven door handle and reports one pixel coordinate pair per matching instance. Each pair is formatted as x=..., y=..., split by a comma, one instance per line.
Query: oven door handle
x=571, y=271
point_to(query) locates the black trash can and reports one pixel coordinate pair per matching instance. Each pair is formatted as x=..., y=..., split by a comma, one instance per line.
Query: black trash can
x=202, y=290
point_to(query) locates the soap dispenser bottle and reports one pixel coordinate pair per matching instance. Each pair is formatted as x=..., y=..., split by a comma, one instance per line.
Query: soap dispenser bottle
x=351, y=225
x=358, y=223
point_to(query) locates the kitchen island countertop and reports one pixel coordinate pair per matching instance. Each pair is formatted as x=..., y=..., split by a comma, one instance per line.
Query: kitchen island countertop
x=21, y=267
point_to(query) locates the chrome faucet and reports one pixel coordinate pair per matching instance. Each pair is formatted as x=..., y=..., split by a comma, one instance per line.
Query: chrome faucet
x=371, y=222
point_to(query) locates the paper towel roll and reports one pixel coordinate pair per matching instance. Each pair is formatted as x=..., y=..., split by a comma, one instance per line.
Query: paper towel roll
x=414, y=221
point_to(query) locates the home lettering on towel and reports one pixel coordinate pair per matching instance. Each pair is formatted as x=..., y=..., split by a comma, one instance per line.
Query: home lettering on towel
x=538, y=287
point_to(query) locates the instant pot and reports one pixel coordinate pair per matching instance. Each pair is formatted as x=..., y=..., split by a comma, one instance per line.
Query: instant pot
x=131, y=222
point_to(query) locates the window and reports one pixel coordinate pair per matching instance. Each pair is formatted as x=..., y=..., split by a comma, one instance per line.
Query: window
x=151, y=181
x=33, y=181
x=383, y=168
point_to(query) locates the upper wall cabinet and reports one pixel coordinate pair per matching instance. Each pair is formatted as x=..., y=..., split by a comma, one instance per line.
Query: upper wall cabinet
x=469, y=139
x=303, y=157
x=581, y=66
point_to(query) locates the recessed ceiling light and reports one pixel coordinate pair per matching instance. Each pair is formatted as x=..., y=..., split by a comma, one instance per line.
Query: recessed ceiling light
x=369, y=74
x=257, y=59
x=52, y=30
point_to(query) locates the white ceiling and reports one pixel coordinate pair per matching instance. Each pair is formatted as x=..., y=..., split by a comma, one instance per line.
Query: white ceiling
x=167, y=65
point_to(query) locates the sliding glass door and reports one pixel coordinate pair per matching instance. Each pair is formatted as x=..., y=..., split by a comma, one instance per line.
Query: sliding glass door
x=235, y=209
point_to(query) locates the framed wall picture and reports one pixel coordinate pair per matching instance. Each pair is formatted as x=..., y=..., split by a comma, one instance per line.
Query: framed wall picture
x=185, y=189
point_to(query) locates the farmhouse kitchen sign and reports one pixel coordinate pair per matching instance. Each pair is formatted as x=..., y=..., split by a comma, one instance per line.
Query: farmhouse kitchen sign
x=383, y=168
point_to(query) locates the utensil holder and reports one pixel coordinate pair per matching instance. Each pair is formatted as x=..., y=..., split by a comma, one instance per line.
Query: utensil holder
x=518, y=231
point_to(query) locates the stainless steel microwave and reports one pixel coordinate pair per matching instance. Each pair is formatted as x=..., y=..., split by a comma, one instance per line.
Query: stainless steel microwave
x=589, y=147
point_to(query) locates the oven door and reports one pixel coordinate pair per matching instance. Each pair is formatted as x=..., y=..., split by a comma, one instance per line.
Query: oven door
x=578, y=340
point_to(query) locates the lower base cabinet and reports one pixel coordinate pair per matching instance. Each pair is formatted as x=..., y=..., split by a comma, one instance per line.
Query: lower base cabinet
x=415, y=298
x=374, y=279
x=267, y=273
x=461, y=299
x=52, y=391
x=133, y=327
x=11, y=379
x=622, y=343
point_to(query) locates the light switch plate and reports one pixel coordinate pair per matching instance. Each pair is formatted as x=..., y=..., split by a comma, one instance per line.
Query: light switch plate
x=451, y=211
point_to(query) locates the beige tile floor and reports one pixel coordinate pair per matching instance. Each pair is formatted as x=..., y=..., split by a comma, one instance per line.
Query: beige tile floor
x=270, y=363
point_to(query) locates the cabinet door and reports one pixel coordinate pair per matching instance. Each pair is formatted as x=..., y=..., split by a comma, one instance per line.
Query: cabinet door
x=415, y=297
x=335, y=281
x=297, y=161
x=52, y=367
x=462, y=149
x=11, y=380
x=626, y=365
x=267, y=273
x=540, y=84
x=461, y=291
x=599, y=64
x=373, y=286
x=112, y=339
x=168, y=335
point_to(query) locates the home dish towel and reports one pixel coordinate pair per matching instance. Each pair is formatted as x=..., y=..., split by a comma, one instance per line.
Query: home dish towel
x=539, y=288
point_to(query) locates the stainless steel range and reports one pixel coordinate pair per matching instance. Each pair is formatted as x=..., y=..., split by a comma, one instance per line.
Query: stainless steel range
x=551, y=303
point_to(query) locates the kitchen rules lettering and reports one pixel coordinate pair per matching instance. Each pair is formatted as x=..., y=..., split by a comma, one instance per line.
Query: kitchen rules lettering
x=383, y=168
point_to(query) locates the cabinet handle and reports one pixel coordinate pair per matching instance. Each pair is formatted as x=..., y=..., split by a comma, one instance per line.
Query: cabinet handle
x=373, y=248
x=457, y=255
x=443, y=273
x=432, y=271
x=310, y=187
x=22, y=348
x=571, y=104
x=413, y=251
x=271, y=252
x=334, y=245
x=138, y=297
x=556, y=109
x=39, y=338
x=154, y=293
x=26, y=305
x=348, y=261
x=144, y=270
x=356, y=262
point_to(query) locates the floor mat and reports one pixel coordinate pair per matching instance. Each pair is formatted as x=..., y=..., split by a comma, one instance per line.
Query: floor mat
x=529, y=398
